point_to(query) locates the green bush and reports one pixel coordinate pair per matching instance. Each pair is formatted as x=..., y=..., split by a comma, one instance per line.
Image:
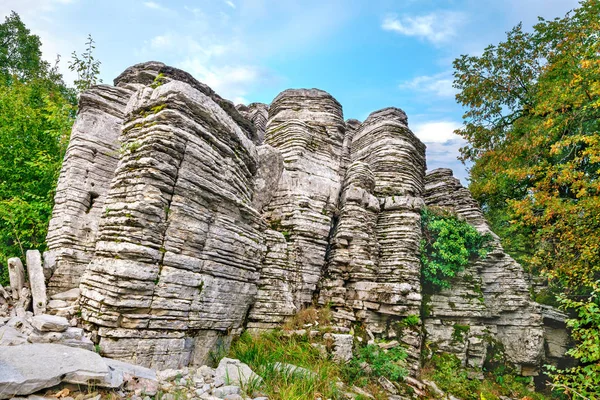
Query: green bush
x=448, y=245
x=372, y=361
x=583, y=380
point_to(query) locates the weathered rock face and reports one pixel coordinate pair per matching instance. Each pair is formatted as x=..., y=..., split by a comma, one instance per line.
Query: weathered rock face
x=258, y=114
x=184, y=220
x=178, y=236
x=373, y=272
x=489, y=303
x=307, y=128
x=88, y=168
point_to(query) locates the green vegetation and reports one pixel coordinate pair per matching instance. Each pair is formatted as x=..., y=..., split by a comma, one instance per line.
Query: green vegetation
x=446, y=371
x=459, y=332
x=448, y=245
x=86, y=66
x=325, y=378
x=37, y=111
x=159, y=80
x=411, y=320
x=262, y=352
x=385, y=363
x=583, y=380
x=532, y=125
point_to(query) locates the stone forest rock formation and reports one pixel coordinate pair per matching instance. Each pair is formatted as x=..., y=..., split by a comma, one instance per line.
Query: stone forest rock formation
x=184, y=220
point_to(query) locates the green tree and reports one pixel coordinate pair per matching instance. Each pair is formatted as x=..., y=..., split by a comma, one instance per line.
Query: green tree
x=533, y=130
x=37, y=111
x=20, y=53
x=86, y=66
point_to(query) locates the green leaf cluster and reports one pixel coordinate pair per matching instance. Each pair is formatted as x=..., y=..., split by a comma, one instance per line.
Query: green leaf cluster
x=86, y=66
x=447, y=371
x=583, y=380
x=449, y=244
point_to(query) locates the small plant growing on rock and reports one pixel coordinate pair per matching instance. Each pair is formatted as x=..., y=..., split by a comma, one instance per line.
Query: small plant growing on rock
x=411, y=320
x=159, y=80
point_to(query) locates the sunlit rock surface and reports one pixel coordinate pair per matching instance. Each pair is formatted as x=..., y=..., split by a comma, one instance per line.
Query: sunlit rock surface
x=184, y=220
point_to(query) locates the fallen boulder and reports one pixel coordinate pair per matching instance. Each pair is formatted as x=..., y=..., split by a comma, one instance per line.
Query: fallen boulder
x=29, y=368
x=26, y=369
x=235, y=372
x=50, y=323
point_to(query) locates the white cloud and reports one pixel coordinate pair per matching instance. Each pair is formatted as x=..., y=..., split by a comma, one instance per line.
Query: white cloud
x=230, y=3
x=188, y=45
x=151, y=4
x=196, y=11
x=436, y=131
x=161, y=41
x=436, y=27
x=156, y=6
x=443, y=145
x=213, y=60
x=438, y=84
x=230, y=81
x=445, y=155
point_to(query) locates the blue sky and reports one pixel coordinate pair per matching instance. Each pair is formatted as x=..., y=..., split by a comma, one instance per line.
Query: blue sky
x=367, y=54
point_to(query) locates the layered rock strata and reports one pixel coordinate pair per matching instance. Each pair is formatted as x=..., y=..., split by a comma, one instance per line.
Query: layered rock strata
x=488, y=305
x=87, y=171
x=258, y=114
x=178, y=235
x=306, y=127
x=373, y=270
x=184, y=220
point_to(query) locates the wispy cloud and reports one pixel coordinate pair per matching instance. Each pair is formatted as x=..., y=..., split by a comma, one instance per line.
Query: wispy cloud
x=439, y=85
x=436, y=131
x=436, y=27
x=230, y=81
x=155, y=6
x=213, y=61
x=443, y=145
x=187, y=45
x=230, y=3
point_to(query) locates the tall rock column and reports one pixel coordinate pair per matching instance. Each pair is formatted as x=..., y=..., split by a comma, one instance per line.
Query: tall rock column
x=373, y=274
x=179, y=245
x=306, y=126
x=87, y=171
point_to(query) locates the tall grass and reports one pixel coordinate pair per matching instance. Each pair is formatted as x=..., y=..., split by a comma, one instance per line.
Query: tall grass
x=263, y=352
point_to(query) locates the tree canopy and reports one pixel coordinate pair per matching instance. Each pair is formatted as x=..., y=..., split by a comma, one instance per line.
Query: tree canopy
x=37, y=111
x=533, y=131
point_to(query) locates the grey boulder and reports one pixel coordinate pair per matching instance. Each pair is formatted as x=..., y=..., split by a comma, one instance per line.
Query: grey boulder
x=235, y=372
x=27, y=369
x=50, y=323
